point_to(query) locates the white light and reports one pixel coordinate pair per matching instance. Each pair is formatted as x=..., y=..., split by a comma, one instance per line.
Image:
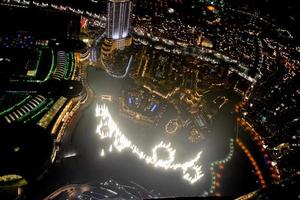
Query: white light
x=171, y=10
x=124, y=34
x=160, y=162
x=115, y=36
x=108, y=129
x=102, y=154
x=70, y=155
x=85, y=40
x=273, y=163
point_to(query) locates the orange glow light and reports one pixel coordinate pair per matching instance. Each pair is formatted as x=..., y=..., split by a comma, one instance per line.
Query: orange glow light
x=211, y=8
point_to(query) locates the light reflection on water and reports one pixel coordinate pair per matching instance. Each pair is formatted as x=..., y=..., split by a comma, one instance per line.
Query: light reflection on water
x=125, y=166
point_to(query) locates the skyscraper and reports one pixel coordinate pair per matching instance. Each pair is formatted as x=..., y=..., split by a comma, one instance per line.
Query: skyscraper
x=118, y=18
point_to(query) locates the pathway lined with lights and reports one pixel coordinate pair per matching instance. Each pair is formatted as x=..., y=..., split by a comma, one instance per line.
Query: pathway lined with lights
x=253, y=162
x=219, y=163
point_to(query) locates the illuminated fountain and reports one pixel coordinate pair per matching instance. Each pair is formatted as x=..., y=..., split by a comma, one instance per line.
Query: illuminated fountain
x=107, y=129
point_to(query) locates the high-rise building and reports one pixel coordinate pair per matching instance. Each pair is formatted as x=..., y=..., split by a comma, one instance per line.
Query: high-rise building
x=118, y=18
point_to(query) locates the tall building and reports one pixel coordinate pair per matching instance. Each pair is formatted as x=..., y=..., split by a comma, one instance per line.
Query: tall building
x=118, y=18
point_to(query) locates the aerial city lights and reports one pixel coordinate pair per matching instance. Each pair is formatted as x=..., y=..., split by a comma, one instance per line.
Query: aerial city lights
x=122, y=97
x=107, y=128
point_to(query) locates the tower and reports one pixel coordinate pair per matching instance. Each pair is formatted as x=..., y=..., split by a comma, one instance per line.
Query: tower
x=118, y=19
x=112, y=57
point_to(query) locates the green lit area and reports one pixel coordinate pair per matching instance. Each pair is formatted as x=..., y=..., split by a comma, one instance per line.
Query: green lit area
x=33, y=69
x=69, y=65
x=7, y=100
